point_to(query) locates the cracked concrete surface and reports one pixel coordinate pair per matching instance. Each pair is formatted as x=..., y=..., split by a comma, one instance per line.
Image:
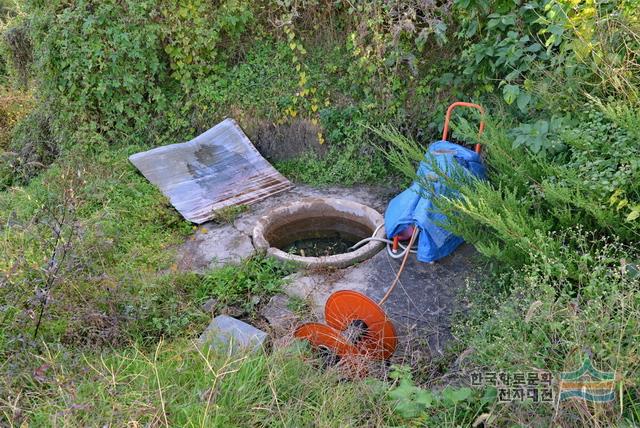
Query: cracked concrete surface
x=421, y=306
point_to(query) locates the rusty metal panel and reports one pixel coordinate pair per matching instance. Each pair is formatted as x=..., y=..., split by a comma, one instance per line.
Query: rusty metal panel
x=217, y=169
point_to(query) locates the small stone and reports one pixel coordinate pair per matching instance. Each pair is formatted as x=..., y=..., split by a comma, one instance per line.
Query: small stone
x=210, y=305
x=232, y=311
x=277, y=312
x=224, y=333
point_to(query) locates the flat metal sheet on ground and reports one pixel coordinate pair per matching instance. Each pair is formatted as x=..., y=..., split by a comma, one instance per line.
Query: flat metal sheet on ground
x=217, y=169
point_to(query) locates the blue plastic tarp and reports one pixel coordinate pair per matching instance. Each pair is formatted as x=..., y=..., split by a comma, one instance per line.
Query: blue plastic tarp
x=415, y=205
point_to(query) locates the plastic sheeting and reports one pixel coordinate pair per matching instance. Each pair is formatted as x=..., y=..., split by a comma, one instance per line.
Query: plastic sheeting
x=217, y=169
x=415, y=205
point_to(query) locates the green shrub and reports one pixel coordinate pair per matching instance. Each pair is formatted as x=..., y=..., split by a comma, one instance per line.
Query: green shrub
x=527, y=195
x=102, y=64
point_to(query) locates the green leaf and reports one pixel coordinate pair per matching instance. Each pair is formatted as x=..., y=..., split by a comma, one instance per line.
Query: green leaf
x=408, y=409
x=523, y=101
x=510, y=93
x=404, y=391
x=509, y=20
x=424, y=397
x=456, y=395
x=534, y=48
x=634, y=214
x=556, y=29
x=512, y=76
x=490, y=395
x=623, y=203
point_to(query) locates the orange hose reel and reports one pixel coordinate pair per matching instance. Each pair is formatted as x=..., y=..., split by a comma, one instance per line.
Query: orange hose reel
x=372, y=335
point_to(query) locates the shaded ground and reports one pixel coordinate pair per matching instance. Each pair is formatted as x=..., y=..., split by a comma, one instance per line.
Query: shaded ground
x=421, y=305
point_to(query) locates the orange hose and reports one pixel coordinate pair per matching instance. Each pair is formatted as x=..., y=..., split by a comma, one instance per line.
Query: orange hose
x=396, y=241
x=414, y=235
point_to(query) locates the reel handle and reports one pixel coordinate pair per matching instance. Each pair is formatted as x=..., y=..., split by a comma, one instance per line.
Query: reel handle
x=447, y=119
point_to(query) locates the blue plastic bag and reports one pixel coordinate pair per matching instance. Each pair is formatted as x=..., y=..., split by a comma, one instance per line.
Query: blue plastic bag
x=415, y=206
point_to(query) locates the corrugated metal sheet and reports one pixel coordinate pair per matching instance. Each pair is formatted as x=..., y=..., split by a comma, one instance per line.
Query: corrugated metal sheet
x=217, y=169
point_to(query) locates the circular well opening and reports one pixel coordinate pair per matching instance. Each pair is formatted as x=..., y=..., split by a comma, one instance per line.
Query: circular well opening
x=319, y=231
x=318, y=236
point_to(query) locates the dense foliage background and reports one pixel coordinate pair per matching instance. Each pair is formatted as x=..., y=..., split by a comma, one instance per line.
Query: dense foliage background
x=320, y=86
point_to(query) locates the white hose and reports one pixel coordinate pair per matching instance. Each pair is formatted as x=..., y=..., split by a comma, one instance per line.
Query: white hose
x=389, y=243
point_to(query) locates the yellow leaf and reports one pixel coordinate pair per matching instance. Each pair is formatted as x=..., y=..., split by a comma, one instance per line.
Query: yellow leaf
x=293, y=113
x=314, y=108
x=292, y=46
x=623, y=203
x=634, y=215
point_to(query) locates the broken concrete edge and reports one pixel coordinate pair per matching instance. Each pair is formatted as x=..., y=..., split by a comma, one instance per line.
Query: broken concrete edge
x=320, y=207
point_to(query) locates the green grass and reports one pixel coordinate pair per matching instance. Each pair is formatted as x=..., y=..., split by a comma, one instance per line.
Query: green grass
x=177, y=384
x=237, y=284
x=229, y=214
x=533, y=317
x=121, y=264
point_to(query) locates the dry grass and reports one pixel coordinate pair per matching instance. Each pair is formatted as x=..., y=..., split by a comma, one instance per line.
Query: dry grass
x=14, y=106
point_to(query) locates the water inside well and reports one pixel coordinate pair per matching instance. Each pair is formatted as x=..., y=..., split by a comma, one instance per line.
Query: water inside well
x=318, y=236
